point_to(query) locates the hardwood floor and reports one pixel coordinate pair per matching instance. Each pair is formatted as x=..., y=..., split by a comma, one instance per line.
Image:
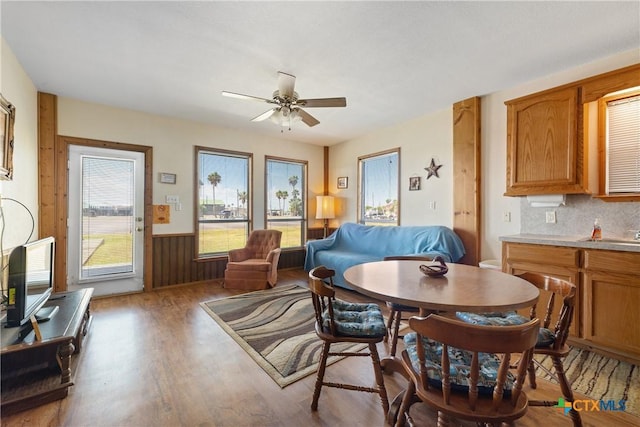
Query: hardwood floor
x=158, y=359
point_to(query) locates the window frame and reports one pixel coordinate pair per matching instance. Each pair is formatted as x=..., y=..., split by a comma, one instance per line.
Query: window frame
x=602, y=148
x=197, y=221
x=360, y=214
x=304, y=191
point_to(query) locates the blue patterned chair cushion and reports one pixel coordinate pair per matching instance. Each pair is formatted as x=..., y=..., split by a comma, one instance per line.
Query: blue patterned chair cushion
x=546, y=337
x=460, y=366
x=401, y=307
x=356, y=320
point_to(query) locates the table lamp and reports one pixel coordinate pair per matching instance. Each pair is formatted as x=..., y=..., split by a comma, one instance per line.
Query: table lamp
x=325, y=209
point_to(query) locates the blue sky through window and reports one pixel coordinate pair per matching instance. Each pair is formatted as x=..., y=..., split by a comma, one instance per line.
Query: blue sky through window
x=380, y=179
x=233, y=171
x=278, y=175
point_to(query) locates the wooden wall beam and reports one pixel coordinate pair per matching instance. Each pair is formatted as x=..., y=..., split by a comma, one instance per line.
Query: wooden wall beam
x=466, y=177
x=47, y=131
x=49, y=216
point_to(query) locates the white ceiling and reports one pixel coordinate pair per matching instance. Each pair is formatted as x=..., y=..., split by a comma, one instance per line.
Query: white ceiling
x=393, y=61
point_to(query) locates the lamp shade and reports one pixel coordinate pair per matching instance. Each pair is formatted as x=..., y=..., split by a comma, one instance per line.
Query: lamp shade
x=325, y=207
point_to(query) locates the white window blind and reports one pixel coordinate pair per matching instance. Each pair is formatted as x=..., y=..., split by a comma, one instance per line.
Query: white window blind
x=623, y=145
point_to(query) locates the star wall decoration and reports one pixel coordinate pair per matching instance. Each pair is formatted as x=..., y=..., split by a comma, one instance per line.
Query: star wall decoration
x=432, y=170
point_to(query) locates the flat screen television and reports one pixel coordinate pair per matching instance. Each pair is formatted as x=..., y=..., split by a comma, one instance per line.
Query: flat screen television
x=30, y=279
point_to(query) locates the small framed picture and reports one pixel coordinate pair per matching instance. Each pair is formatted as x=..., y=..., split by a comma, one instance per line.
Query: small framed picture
x=7, y=120
x=343, y=182
x=414, y=183
x=167, y=178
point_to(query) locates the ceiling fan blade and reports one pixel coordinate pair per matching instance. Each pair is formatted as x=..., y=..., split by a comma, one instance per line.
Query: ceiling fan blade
x=307, y=118
x=286, y=83
x=265, y=115
x=322, y=102
x=241, y=96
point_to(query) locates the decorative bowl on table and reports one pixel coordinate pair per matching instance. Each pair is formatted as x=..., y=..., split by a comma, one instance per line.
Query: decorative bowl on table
x=435, y=270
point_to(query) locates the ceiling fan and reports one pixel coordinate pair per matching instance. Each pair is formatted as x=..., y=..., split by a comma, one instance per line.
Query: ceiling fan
x=286, y=103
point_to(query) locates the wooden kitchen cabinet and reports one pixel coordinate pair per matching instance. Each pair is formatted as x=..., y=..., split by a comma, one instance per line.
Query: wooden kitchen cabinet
x=560, y=262
x=545, y=153
x=607, y=311
x=547, y=135
x=611, y=303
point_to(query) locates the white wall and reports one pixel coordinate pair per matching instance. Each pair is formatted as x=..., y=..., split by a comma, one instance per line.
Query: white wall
x=419, y=140
x=431, y=136
x=19, y=90
x=173, y=144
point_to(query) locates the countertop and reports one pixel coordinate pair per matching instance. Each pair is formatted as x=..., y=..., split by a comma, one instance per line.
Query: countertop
x=612, y=244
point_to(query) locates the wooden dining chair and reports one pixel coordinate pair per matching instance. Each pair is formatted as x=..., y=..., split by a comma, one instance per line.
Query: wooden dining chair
x=560, y=296
x=552, y=340
x=398, y=311
x=463, y=370
x=339, y=321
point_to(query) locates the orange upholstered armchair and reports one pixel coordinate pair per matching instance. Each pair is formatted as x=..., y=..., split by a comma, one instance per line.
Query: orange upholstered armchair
x=256, y=265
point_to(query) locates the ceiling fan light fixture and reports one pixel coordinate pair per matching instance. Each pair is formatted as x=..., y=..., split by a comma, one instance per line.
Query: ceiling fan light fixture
x=287, y=104
x=286, y=117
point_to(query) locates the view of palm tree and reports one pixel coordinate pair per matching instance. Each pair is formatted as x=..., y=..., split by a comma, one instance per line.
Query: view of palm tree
x=214, y=178
x=282, y=196
x=295, y=204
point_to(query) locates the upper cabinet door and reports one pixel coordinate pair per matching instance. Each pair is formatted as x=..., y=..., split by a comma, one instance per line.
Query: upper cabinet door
x=543, y=151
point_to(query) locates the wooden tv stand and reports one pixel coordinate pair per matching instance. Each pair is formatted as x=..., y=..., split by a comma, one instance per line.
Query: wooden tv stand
x=38, y=372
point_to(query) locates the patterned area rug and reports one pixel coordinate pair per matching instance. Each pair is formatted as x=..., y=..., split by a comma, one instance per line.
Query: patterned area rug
x=599, y=377
x=276, y=328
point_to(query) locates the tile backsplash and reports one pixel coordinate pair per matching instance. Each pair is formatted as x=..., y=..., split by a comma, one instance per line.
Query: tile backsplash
x=619, y=219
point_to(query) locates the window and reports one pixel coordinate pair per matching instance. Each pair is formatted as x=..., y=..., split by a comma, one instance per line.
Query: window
x=620, y=144
x=285, y=195
x=223, y=201
x=379, y=195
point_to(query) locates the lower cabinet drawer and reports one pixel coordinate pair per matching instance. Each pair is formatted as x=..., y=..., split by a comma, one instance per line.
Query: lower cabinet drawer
x=547, y=255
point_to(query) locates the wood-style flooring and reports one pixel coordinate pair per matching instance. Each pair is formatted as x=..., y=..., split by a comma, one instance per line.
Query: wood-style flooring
x=158, y=359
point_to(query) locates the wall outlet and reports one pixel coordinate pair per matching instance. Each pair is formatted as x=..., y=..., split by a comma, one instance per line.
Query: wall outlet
x=506, y=216
x=432, y=205
x=551, y=217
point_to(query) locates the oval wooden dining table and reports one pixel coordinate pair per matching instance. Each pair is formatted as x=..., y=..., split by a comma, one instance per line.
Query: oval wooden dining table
x=462, y=288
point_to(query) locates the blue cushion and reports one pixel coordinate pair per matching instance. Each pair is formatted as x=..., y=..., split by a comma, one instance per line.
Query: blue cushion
x=508, y=318
x=460, y=366
x=546, y=337
x=401, y=307
x=356, y=320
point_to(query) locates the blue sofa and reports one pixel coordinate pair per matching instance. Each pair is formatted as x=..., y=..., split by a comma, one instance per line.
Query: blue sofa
x=353, y=244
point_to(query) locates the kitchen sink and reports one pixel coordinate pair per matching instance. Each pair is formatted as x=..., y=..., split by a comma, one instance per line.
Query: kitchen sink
x=605, y=240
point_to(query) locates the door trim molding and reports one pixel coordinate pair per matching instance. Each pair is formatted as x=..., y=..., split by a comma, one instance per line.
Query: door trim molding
x=62, y=159
x=62, y=148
